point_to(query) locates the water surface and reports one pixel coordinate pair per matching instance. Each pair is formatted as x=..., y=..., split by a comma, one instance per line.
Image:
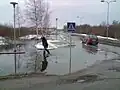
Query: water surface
x=58, y=62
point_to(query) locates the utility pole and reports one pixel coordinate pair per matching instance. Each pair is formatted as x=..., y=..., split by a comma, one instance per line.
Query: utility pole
x=14, y=4
x=56, y=27
x=80, y=19
x=70, y=63
x=108, y=3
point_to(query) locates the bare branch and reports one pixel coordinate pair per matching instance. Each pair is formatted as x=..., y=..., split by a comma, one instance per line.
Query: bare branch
x=19, y=17
x=37, y=13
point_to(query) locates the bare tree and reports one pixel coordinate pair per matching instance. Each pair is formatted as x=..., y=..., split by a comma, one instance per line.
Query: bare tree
x=115, y=22
x=35, y=12
x=46, y=19
x=19, y=18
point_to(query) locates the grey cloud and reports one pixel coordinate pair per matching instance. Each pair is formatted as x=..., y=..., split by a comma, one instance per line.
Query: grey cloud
x=93, y=11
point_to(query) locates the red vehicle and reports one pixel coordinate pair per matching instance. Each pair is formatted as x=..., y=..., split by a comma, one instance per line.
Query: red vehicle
x=90, y=40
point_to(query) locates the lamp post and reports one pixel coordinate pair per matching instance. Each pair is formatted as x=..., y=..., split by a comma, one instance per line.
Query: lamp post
x=14, y=4
x=80, y=18
x=108, y=2
x=56, y=27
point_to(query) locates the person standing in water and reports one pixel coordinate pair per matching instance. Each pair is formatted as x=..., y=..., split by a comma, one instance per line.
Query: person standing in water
x=45, y=44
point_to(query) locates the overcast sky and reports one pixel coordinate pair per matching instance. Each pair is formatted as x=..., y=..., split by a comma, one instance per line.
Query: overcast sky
x=90, y=11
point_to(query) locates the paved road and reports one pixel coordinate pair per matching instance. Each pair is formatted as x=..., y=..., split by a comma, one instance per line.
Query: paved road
x=98, y=85
x=26, y=82
x=101, y=76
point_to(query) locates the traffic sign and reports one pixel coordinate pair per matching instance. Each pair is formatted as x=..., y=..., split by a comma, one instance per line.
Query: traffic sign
x=71, y=27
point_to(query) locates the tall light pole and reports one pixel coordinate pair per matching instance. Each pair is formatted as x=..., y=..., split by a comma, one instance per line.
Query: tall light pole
x=108, y=2
x=56, y=27
x=80, y=18
x=14, y=4
x=18, y=19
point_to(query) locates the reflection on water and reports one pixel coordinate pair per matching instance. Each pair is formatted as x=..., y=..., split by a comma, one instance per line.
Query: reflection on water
x=44, y=65
x=6, y=47
x=57, y=63
x=44, y=62
x=90, y=49
x=34, y=60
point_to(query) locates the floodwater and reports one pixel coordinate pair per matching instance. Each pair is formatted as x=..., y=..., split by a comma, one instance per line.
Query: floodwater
x=58, y=62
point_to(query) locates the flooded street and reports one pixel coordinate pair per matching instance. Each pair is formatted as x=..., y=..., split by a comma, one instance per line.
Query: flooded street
x=58, y=62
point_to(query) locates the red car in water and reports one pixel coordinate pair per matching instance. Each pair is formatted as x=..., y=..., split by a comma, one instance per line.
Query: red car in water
x=90, y=40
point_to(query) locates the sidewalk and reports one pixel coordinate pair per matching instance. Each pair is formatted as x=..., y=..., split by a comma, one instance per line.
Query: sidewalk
x=101, y=76
x=26, y=82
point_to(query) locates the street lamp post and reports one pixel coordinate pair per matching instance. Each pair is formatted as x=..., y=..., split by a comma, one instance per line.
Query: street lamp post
x=108, y=2
x=14, y=4
x=56, y=27
x=80, y=18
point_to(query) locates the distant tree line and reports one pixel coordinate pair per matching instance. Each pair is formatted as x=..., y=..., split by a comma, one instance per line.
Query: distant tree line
x=36, y=13
x=114, y=29
x=8, y=31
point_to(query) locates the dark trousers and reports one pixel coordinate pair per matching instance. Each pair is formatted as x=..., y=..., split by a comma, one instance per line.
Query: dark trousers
x=45, y=49
x=44, y=63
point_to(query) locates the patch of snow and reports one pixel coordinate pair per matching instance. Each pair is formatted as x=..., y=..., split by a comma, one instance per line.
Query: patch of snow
x=2, y=43
x=114, y=39
x=83, y=34
x=79, y=34
x=102, y=37
x=50, y=45
x=2, y=38
x=80, y=81
x=29, y=37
